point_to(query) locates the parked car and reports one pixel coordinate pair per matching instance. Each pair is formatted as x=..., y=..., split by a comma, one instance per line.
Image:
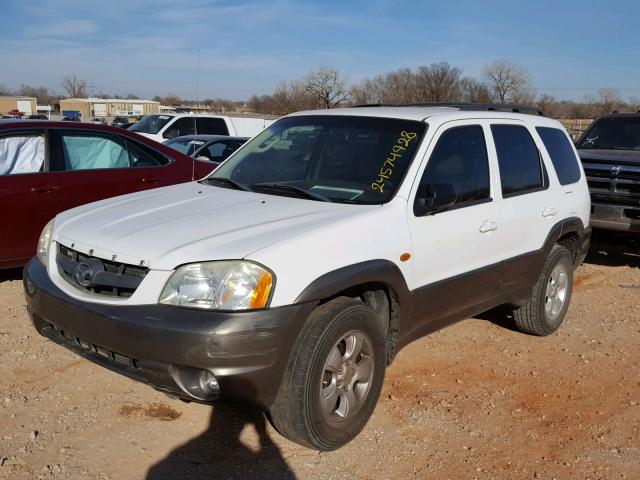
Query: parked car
x=47, y=167
x=71, y=119
x=291, y=276
x=119, y=121
x=207, y=148
x=98, y=121
x=171, y=125
x=37, y=117
x=127, y=126
x=610, y=154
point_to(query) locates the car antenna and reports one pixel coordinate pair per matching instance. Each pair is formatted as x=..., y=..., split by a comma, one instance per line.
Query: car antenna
x=195, y=117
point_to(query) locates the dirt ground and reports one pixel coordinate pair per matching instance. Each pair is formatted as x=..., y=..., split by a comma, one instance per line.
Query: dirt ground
x=477, y=400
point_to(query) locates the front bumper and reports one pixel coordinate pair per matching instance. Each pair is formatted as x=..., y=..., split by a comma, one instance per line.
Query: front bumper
x=170, y=348
x=615, y=217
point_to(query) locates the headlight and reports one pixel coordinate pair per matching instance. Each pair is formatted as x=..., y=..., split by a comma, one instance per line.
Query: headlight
x=222, y=285
x=44, y=243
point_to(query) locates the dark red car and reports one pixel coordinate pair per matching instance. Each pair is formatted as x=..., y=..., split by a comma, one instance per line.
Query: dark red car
x=47, y=167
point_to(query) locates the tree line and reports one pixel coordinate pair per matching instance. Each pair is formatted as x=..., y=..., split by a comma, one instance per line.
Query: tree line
x=502, y=81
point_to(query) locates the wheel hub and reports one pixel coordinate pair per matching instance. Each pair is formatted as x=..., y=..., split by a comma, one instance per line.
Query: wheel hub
x=556, y=292
x=347, y=376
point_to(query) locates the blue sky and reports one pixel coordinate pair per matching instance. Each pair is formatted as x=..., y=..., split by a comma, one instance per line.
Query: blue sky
x=148, y=47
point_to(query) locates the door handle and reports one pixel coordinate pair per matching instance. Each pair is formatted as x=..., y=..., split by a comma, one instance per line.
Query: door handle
x=488, y=226
x=44, y=188
x=549, y=212
x=151, y=180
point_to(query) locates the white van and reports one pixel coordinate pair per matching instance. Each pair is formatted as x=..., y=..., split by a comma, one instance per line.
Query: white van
x=162, y=127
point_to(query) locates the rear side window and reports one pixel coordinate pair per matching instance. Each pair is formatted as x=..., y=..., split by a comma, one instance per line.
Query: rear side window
x=23, y=153
x=520, y=168
x=212, y=126
x=95, y=150
x=460, y=159
x=84, y=151
x=561, y=153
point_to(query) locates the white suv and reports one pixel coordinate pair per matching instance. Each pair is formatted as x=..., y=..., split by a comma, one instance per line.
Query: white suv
x=292, y=275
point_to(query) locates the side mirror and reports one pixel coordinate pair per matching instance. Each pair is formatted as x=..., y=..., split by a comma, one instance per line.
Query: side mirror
x=172, y=133
x=434, y=198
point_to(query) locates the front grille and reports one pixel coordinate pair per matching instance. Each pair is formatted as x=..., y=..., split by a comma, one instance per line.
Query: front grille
x=613, y=183
x=96, y=275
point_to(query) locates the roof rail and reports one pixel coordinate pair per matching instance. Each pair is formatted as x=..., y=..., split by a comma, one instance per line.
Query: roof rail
x=495, y=107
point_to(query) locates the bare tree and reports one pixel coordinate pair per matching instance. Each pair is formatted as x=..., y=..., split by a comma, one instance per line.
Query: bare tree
x=74, y=86
x=473, y=91
x=609, y=99
x=327, y=87
x=508, y=82
x=172, y=100
x=546, y=103
x=439, y=82
x=42, y=94
x=369, y=91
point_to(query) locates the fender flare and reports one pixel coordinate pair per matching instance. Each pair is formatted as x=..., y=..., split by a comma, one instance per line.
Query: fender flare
x=380, y=271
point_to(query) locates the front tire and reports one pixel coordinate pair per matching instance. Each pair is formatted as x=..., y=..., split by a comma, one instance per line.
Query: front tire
x=546, y=309
x=334, y=377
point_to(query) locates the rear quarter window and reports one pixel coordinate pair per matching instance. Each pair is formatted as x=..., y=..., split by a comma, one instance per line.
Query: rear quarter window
x=562, y=155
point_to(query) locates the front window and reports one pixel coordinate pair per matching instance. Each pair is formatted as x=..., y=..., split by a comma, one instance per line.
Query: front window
x=614, y=133
x=151, y=124
x=332, y=158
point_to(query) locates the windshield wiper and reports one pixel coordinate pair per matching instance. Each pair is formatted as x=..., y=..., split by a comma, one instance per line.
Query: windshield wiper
x=284, y=188
x=228, y=183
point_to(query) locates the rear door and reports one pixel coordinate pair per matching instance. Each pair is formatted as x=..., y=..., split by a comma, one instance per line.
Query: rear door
x=28, y=193
x=529, y=207
x=93, y=165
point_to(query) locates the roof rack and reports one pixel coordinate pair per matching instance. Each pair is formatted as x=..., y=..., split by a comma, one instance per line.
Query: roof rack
x=494, y=107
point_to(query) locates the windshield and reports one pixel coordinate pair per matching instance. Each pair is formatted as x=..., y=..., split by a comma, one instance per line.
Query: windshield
x=184, y=145
x=613, y=133
x=337, y=158
x=151, y=124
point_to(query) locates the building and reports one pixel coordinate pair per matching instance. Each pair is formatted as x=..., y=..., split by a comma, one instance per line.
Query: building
x=108, y=107
x=13, y=105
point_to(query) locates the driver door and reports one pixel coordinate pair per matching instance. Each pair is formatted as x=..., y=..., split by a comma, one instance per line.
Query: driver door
x=456, y=251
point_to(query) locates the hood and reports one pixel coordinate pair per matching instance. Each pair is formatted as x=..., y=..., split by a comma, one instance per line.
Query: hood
x=190, y=222
x=631, y=157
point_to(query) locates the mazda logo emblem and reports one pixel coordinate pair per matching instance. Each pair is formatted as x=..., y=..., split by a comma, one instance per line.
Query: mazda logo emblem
x=84, y=274
x=615, y=170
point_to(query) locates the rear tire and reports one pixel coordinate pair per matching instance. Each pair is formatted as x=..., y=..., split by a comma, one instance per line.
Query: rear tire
x=546, y=309
x=334, y=377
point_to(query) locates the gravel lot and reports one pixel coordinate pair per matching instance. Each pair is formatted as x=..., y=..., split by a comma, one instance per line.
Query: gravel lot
x=476, y=400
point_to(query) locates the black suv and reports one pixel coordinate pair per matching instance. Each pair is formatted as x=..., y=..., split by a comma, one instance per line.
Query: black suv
x=610, y=154
x=120, y=122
